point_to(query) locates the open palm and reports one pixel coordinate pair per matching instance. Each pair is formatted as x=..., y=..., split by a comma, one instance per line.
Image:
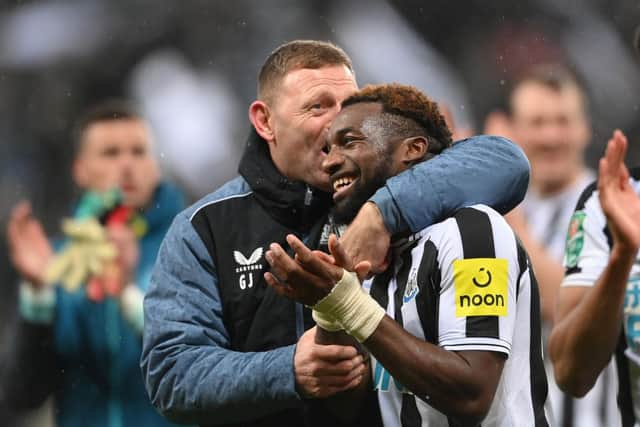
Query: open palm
x=30, y=249
x=619, y=201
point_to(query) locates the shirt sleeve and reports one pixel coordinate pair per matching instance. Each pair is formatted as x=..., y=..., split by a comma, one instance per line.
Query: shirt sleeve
x=588, y=245
x=190, y=373
x=488, y=170
x=479, y=264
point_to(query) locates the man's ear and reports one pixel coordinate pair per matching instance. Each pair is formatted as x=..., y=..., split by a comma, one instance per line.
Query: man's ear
x=259, y=115
x=414, y=149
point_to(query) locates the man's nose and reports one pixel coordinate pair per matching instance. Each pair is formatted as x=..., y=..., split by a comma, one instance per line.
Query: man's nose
x=333, y=161
x=333, y=113
x=126, y=164
x=552, y=133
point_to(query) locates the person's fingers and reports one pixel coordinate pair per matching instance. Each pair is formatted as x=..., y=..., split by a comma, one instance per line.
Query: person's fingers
x=13, y=229
x=121, y=235
x=383, y=265
x=615, y=151
x=623, y=171
x=314, y=265
x=279, y=287
x=607, y=183
x=117, y=232
x=337, y=251
x=18, y=215
x=335, y=353
x=342, y=371
x=95, y=290
x=321, y=368
x=334, y=390
x=623, y=140
x=115, y=236
x=340, y=380
x=353, y=383
x=624, y=177
x=281, y=263
x=619, y=135
x=126, y=244
x=318, y=388
x=303, y=253
x=324, y=257
x=603, y=173
x=320, y=266
x=112, y=282
x=22, y=209
x=611, y=168
x=303, y=283
x=604, y=170
x=362, y=270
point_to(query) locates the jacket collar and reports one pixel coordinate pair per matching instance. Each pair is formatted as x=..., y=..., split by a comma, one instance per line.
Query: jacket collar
x=291, y=203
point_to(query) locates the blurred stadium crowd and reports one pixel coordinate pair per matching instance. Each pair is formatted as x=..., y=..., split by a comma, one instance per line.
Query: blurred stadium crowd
x=192, y=66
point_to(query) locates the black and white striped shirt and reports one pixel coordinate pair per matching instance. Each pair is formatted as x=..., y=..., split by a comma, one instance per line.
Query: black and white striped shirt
x=586, y=256
x=465, y=284
x=547, y=220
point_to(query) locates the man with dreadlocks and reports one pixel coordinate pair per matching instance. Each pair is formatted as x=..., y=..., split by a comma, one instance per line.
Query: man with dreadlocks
x=440, y=323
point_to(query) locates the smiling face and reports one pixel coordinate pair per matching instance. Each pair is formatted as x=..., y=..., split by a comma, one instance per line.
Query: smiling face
x=361, y=157
x=551, y=126
x=301, y=113
x=117, y=154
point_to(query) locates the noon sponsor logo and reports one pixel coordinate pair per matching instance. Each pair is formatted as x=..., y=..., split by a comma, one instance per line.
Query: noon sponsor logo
x=481, y=286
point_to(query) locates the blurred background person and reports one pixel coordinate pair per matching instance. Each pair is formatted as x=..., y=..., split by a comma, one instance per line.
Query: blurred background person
x=83, y=347
x=597, y=312
x=190, y=66
x=548, y=115
x=598, y=297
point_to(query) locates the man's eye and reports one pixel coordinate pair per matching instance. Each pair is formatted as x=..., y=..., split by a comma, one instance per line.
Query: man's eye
x=110, y=152
x=351, y=140
x=139, y=151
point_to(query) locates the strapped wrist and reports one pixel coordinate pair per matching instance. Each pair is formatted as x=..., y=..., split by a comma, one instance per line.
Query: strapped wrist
x=326, y=321
x=352, y=307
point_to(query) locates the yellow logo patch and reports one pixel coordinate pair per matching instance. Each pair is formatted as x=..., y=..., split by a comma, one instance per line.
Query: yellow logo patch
x=481, y=286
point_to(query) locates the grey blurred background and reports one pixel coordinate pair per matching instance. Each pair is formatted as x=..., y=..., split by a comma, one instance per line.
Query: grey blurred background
x=192, y=66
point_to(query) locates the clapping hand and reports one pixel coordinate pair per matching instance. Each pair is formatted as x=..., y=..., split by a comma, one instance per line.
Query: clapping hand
x=618, y=199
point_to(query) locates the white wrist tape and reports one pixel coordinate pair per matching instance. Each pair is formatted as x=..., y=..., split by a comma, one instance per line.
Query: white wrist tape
x=326, y=322
x=352, y=307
